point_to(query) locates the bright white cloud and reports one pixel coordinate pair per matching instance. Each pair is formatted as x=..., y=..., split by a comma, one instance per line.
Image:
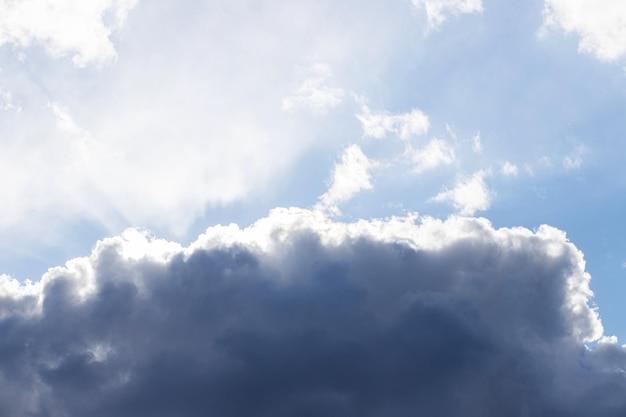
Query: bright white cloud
x=437, y=152
x=600, y=24
x=508, y=169
x=469, y=194
x=313, y=93
x=64, y=27
x=405, y=125
x=437, y=11
x=350, y=176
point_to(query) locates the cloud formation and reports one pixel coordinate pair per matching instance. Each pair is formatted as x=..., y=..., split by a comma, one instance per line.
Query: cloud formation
x=405, y=125
x=600, y=24
x=437, y=11
x=469, y=194
x=81, y=29
x=299, y=315
x=349, y=177
x=313, y=94
x=437, y=152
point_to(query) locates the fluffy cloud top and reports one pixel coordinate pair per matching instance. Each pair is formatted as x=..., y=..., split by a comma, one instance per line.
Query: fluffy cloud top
x=299, y=315
x=64, y=27
x=601, y=24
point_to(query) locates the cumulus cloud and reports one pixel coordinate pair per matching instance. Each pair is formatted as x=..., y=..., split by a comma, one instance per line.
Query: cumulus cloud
x=313, y=93
x=81, y=29
x=469, y=194
x=508, y=169
x=405, y=125
x=437, y=152
x=600, y=24
x=437, y=11
x=301, y=315
x=349, y=177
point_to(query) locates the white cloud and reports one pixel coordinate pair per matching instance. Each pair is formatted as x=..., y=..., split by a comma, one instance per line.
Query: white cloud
x=64, y=27
x=297, y=313
x=575, y=159
x=437, y=152
x=313, y=93
x=7, y=102
x=437, y=11
x=469, y=194
x=477, y=145
x=405, y=125
x=600, y=24
x=508, y=169
x=350, y=176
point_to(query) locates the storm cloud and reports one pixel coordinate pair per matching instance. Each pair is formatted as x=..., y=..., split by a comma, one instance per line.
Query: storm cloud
x=299, y=315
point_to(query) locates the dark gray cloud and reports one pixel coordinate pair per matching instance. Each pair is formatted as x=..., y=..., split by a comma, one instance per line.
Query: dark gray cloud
x=301, y=316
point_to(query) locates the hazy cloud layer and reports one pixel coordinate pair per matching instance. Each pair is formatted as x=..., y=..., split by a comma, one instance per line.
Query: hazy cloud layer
x=298, y=315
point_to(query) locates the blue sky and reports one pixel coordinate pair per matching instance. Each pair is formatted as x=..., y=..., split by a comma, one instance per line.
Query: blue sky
x=174, y=117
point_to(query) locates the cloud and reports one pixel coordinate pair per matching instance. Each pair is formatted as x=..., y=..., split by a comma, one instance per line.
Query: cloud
x=437, y=152
x=313, y=93
x=437, y=11
x=405, y=125
x=78, y=28
x=186, y=119
x=350, y=176
x=302, y=315
x=600, y=24
x=508, y=169
x=469, y=195
x=575, y=159
x=477, y=145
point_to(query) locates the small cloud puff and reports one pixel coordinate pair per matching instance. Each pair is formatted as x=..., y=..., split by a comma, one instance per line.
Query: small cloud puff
x=575, y=159
x=350, y=176
x=437, y=152
x=313, y=94
x=437, y=11
x=509, y=170
x=405, y=125
x=469, y=194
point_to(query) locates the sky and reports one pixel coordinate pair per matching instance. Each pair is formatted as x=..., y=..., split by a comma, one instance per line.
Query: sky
x=324, y=208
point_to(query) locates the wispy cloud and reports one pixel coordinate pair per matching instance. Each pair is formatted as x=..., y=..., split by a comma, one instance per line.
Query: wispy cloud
x=438, y=11
x=313, y=93
x=404, y=125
